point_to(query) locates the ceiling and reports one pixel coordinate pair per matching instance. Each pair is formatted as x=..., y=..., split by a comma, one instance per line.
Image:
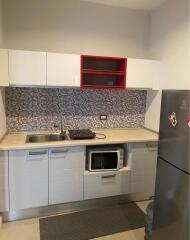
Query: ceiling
x=134, y=4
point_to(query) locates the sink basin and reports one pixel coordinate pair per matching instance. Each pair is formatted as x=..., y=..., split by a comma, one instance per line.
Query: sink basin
x=37, y=138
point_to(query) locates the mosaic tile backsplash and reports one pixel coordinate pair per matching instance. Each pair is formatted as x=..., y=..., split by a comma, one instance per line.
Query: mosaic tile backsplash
x=31, y=109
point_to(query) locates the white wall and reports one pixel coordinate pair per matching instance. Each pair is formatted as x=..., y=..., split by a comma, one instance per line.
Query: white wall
x=153, y=106
x=169, y=41
x=76, y=27
x=1, y=25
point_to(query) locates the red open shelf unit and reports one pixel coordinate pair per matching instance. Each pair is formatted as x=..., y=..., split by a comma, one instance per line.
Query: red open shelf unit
x=99, y=72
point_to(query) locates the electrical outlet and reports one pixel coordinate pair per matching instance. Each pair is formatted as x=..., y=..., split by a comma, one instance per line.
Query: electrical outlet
x=103, y=117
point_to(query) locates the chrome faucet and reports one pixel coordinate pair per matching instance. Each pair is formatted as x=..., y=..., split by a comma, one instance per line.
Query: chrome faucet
x=56, y=126
x=62, y=130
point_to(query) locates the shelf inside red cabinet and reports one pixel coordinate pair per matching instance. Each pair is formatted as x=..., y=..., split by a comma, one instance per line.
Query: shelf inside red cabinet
x=103, y=72
x=113, y=73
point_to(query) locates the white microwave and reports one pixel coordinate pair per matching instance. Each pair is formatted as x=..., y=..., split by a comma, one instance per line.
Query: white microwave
x=105, y=158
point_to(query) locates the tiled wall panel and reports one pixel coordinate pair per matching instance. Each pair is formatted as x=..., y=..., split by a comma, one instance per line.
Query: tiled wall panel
x=38, y=108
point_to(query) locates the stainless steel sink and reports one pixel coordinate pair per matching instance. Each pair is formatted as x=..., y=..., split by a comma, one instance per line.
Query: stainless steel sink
x=37, y=138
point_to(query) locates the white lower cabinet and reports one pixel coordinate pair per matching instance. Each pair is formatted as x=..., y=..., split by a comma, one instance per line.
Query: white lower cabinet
x=105, y=184
x=41, y=177
x=143, y=168
x=4, y=186
x=28, y=178
x=66, y=171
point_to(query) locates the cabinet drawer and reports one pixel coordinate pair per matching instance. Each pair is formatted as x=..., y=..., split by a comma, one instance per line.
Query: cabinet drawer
x=97, y=185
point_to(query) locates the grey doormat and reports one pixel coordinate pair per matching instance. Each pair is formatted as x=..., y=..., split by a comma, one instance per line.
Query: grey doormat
x=91, y=224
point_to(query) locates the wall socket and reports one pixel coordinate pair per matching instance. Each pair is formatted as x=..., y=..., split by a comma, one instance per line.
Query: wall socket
x=103, y=117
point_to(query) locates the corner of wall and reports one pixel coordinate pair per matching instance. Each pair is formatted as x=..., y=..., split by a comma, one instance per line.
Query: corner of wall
x=169, y=32
x=153, y=108
x=3, y=128
x=1, y=24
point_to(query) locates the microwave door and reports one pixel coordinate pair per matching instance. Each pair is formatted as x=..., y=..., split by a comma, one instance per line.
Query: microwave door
x=104, y=160
x=110, y=161
x=96, y=163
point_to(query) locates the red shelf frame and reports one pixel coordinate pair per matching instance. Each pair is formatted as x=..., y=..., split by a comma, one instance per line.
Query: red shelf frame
x=121, y=73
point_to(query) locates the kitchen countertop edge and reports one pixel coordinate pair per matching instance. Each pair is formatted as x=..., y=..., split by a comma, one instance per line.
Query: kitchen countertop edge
x=16, y=141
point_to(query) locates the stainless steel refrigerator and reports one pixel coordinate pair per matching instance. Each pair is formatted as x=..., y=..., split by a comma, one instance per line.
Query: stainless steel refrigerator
x=172, y=196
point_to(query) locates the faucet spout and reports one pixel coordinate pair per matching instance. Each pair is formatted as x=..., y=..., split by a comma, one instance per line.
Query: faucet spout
x=62, y=130
x=56, y=126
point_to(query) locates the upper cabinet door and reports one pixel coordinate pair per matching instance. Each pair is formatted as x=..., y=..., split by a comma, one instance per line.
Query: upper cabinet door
x=63, y=70
x=143, y=74
x=4, y=72
x=27, y=68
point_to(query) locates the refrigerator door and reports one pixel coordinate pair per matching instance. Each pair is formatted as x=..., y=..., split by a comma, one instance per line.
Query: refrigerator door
x=172, y=202
x=174, y=135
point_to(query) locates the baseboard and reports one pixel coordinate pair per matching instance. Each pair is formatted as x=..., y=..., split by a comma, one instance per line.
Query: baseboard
x=72, y=207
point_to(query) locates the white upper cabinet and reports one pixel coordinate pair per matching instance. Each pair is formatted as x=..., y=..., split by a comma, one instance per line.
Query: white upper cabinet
x=63, y=70
x=27, y=68
x=4, y=72
x=143, y=74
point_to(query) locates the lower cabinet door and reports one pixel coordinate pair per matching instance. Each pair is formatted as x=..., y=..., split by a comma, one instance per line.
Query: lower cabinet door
x=28, y=178
x=66, y=171
x=101, y=184
x=143, y=170
x=4, y=182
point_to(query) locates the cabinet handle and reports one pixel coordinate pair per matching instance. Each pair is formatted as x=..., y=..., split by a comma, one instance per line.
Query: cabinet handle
x=151, y=147
x=109, y=176
x=59, y=151
x=37, y=153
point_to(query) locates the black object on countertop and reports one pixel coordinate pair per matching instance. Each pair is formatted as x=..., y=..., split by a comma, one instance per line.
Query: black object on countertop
x=92, y=223
x=81, y=134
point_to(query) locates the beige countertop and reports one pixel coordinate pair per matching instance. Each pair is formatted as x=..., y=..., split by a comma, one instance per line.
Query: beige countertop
x=113, y=136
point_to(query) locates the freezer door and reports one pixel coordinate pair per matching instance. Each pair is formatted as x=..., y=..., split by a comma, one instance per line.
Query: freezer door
x=172, y=202
x=174, y=135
